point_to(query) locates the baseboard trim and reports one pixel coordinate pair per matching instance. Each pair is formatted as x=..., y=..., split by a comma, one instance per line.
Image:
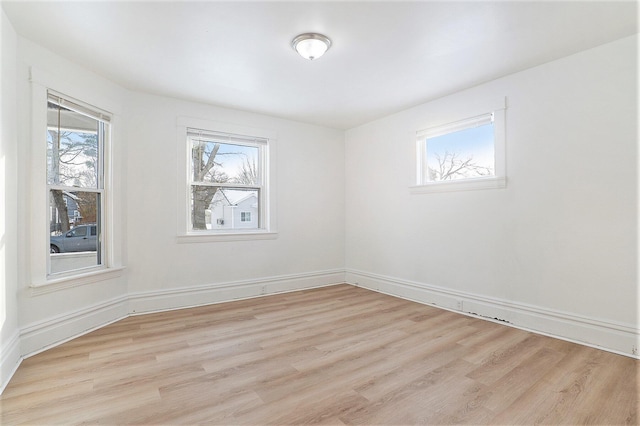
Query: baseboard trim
x=54, y=331
x=10, y=360
x=180, y=298
x=611, y=336
x=49, y=333
x=607, y=335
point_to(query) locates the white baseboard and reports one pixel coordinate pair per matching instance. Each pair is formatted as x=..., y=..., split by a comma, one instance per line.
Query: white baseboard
x=10, y=359
x=614, y=337
x=42, y=335
x=34, y=338
x=54, y=331
x=51, y=332
x=178, y=298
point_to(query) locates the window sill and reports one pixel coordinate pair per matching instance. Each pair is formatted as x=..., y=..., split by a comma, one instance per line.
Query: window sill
x=206, y=237
x=460, y=185
x=60, y=283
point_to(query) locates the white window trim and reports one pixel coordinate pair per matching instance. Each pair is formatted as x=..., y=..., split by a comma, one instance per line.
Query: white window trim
x=102, y=189
x=499, y=180
x=61, y=283
x=41, y=84
x=184, y=234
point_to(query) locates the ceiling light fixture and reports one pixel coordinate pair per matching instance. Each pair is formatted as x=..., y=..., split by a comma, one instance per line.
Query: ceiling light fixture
x=311, y=45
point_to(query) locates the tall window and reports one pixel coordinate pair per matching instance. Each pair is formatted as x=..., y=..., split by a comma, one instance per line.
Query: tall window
x=227, y=181
x=76, y=135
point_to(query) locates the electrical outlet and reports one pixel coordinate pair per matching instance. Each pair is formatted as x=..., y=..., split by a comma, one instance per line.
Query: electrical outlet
x=459, y=305
x=634, y=350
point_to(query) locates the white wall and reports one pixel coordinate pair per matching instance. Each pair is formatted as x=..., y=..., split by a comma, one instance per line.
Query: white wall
x=50, y=315
x=9, y=328
x=559, y=241
x=309, y=207
x=556, y=251
x=161, y=273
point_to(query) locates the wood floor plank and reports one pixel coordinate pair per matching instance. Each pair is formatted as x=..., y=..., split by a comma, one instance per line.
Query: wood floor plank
x=506, y=359
x=419, y=397
x=514, y=383
x=609, y=392
x=338, y=355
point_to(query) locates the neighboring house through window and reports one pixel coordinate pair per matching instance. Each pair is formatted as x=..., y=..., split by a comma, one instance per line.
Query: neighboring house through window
x=227, y=181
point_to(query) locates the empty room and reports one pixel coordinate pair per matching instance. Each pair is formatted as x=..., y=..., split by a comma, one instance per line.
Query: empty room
x=338, y=213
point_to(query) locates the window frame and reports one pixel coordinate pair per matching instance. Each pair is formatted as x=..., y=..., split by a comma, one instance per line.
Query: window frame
x=101, y=190
x=261, y=146
x=40, y=282
x=421, y=183
x=267, y=206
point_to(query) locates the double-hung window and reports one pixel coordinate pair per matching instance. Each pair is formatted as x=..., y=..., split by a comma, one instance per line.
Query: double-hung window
x=227, y=182
x=75, y=141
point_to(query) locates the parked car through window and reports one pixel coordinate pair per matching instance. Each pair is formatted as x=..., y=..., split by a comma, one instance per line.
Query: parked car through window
x=80, y=238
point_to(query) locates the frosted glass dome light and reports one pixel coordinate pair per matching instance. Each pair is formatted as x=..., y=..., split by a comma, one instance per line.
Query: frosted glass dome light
x=311, y=45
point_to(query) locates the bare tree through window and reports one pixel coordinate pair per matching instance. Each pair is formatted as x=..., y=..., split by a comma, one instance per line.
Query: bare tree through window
x=72, y=156
x=452, y=165
x=464, y=153
x=214, y=162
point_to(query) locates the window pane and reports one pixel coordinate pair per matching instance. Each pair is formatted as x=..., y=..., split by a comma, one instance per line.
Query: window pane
x=463, y=154
x=74, y=239
x=80, y=231
x=215, y=207
x=224, y=163
x=72, y=148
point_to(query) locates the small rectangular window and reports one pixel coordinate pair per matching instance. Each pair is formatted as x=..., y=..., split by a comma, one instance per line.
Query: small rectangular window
x=466, y=154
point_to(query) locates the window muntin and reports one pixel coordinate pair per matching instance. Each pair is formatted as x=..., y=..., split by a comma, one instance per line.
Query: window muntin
x=75, y=141
x=227, y=178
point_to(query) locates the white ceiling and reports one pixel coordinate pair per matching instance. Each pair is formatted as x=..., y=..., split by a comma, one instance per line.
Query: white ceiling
x=386, y=56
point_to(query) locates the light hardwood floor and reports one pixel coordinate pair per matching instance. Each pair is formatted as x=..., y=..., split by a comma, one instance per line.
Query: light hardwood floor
x=336, y=355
